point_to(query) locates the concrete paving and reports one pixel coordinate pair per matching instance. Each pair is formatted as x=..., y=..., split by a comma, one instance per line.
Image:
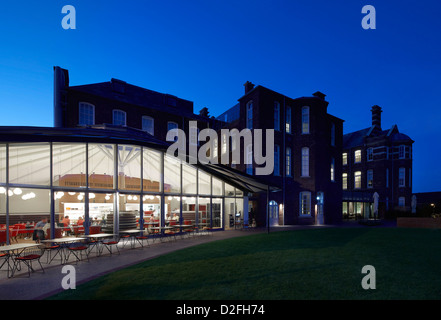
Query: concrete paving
x=41, y=285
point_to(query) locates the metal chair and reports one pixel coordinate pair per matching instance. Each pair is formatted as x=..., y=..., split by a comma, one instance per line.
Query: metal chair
x=5, y=256
x=108, y=244
x=27, y=257
x=77, y=250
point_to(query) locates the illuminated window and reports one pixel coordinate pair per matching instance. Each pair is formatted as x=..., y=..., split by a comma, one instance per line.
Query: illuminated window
x=357, y=180
x=357, y=156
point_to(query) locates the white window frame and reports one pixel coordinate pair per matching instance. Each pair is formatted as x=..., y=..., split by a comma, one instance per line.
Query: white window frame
x=357, y=180
x=288, y=128
x=357, y=156
x=345, y=159
x=305, y=204
x=83, y=113
x=344, y=177
x=332, y=169
x=288, y=157
x=305, y=162
x=148, y=127
x=305, y=120
x=115, y=114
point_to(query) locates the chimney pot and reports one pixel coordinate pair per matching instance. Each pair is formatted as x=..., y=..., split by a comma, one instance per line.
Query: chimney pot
x=248, y=86
x=376, y=116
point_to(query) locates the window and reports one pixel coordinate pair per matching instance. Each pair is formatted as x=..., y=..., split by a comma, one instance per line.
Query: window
x=357, y=156
x=305, y=120
x=250, y=115
x=171, y=126
x=345, y=181
x=370, y=154
x=305, y=162
x=86, y=114
x=345, y=159
x=357, y=180
x=148, y=125
x=402, y=177
x=370, y=179
x=332, y=134
x=276, y=160
x=288, y=161
x=194, y=133
x=276, y=116
x=332, y=169
x=249, y=159
x=288, y=120
x=401, y=201
x=402, y=152
x=305, y=203
x=224, y=143
x=119, y=118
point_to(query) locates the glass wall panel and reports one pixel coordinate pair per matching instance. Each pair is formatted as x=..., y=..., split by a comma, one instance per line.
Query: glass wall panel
x=204, y=183
x=189, y=210
x=217, y=187
x=29, y=163
x=101, y=209
x=69, y=213
x=172, y=175
x=3, y=233
x=172, y=210
x=188, y=179
x=230, y=212
x=129, y=167
x=152, y=211
x=129, y=206
x=69, y=165
x=216, y=215
x=229, y=190
x=152, y=170
x=239, y=193
x=101, y=166
x=2, y=163
x=204, y=220
x=30, y=206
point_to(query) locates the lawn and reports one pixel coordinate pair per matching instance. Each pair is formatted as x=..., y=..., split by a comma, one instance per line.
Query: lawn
x=322, y=263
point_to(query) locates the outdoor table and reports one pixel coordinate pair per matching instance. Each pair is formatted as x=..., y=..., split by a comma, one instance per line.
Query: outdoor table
x=61, y=242
x=161, y=229
x=132, y=233
x=14, y=251
x=98, y=240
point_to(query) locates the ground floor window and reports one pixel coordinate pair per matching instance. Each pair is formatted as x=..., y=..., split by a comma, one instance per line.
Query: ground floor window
x=305, y=203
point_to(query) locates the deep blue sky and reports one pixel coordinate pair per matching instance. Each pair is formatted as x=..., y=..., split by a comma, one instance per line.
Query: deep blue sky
x=205, y=50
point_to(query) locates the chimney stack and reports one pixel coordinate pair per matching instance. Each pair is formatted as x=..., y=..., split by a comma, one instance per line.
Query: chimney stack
x=319, y=95
x=248, y=87
x=376, y=116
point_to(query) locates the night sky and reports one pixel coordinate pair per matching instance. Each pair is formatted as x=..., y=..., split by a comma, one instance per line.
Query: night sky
x=204, y=51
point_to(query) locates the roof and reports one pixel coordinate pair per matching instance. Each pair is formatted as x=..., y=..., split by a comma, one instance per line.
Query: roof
x=127, y=93
x=356, y=138
x=125, y=135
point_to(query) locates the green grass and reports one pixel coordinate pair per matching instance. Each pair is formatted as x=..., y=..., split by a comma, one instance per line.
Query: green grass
x=304, y=264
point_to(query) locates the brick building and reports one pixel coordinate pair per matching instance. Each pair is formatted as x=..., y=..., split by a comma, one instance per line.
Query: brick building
x=376, y=160
x=307, y=153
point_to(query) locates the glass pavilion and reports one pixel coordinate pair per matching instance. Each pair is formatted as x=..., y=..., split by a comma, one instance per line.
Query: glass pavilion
x=111, y=179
